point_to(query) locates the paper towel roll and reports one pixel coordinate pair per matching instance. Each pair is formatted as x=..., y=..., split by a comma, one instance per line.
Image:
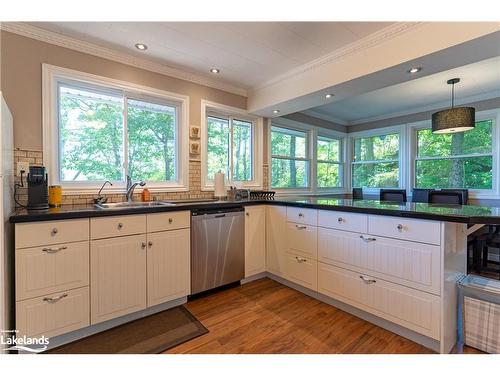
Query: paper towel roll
x=219, y=185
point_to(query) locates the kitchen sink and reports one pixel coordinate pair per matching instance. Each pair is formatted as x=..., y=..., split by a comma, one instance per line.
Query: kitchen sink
x=121, y=205
x=185, y=201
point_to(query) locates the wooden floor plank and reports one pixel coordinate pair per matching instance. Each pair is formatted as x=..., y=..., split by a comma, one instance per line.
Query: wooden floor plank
x=265, y=316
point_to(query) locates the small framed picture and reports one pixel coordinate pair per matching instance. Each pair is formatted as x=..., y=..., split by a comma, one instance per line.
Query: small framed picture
x=194, y=131
x=194, y=147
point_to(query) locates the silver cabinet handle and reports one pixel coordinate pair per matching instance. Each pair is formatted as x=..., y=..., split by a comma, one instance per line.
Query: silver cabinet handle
x=51, y=250
x=143, y=245
x=367, y=280
x=247, y=213
x=150, y=243
x=300, y=227
x=300, y=259
x=53, y=232
x=55, y=299
x=120, y=225
x=367, y=239
x=301, y=214
x=170, y=220
x=340, y=219
x=400, y=227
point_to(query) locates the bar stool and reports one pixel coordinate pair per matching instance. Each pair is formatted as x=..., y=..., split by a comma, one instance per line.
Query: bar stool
x=393, y=195
x=357, y=193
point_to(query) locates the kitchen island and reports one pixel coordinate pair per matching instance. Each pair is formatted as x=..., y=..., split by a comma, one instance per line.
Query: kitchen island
x=395, y=265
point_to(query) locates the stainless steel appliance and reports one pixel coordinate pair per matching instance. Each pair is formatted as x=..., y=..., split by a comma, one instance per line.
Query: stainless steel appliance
x=217, y=248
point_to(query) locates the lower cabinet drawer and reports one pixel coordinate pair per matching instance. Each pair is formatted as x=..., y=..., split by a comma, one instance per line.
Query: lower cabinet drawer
x=302, y=239
x=51, y=269
x=425, y=231
x=116, y=226
x=413, y=309
x=302, y=271
x=53, y=314
x=168, y=221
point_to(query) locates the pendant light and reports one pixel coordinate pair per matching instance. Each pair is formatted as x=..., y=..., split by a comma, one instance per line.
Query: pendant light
x=453, y=120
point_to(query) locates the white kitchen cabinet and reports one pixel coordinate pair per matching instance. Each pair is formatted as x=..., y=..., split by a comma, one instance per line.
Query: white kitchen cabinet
x=302, y=271
x=276, y=239
x=168, y=266
x=412, y=264
x=50, y=269
x=302, y=239
x=53, y=314
x=407, y=307
x=255, y=240
x=51, y=232
x=425, y=231
x=117, y=276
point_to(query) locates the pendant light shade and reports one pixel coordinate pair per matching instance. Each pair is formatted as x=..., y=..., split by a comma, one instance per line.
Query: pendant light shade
x=453, y=120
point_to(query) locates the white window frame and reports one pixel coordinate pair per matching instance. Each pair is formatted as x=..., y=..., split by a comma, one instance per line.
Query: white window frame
x=311, y=152
x=398, y=129
x=330, y=134
x=494, y=115
x=52, y=75
x=224, y=111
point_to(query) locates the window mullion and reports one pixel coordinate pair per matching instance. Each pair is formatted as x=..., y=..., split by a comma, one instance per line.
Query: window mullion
x=230, y=172
x=125, y=137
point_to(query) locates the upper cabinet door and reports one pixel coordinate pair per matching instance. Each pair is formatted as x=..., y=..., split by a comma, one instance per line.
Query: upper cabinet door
x=255, y=240
x=117, y=277
x=169, y=265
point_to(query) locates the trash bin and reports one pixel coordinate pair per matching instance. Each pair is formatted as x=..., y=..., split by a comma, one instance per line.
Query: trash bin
x=479, y=313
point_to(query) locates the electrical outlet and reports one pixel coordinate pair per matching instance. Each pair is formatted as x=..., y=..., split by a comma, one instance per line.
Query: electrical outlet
x=23, y=166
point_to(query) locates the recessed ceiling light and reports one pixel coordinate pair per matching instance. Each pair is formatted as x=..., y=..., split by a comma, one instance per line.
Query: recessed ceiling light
x=214, y=70
x=276, y=111
x=141, y=46
x=415, y=69
x=328, y=96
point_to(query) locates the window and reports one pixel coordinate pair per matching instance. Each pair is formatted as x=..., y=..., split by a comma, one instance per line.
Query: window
x=376, y=161
x=229, y=148
x=460, y=160
x=329, y=168
x=99, y=129
x=289, y=158
x=231, y=144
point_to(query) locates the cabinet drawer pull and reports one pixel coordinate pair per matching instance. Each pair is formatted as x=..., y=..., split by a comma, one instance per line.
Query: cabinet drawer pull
x=367, y=239
x=400, y=227
x=120, y=226
x=143, y=245
x=301, y=214
x=53, y=232
x=170, y=220
x=247, y=213
x=367, y=280
x=300, y=259
x=150, y=243
x=50, y=250
x=340, y=219
x=55, y=299
x=300, y=227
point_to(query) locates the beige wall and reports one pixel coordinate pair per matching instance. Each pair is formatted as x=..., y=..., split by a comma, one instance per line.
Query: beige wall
x=21, y=83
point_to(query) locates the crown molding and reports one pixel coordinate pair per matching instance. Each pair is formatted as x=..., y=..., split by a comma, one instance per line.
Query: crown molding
x=436, y=106
x=60, y=40
x=324, y=116
x=371, y=40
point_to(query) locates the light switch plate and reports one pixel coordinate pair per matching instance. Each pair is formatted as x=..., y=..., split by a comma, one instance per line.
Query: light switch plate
x=22, y=166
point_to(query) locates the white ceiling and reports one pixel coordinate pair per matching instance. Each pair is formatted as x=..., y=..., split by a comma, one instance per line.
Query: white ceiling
x=478, y=81
x=248, y=54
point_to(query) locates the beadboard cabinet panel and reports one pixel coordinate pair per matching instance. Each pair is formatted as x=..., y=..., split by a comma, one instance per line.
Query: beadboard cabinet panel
x=50, y=269
x=117, y=277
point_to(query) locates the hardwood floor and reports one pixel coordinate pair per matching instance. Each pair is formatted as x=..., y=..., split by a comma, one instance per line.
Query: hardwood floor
x=267, y=317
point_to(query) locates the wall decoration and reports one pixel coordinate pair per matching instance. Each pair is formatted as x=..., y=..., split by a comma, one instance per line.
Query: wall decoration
x=194, y=131
x=194, y=147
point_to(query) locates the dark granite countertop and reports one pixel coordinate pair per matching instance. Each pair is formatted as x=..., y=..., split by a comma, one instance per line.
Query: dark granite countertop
x=460, y=214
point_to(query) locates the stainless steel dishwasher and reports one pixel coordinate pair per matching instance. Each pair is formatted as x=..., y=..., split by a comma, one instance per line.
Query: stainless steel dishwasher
x=217, y=248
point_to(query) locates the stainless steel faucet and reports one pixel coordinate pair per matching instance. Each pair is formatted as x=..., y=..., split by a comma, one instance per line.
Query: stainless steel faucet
x=130, y=188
